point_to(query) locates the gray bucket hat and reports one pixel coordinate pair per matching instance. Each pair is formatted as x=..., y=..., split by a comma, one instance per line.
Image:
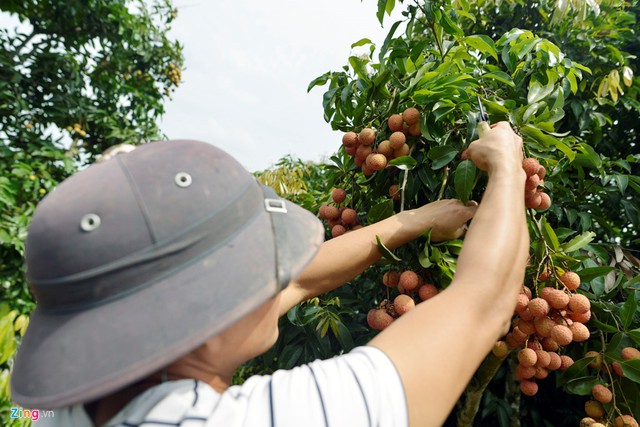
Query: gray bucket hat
x=138, y=260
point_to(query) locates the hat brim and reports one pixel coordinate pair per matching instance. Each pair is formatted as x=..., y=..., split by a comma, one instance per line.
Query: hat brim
x=65, y=359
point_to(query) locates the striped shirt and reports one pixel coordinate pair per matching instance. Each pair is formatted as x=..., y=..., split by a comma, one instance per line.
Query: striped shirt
x=358, y=389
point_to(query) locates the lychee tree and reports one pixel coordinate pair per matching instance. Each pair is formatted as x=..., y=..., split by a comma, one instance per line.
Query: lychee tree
x=564, y=75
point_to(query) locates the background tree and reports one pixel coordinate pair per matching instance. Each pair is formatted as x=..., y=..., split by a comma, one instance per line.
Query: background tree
x=564, y=75
x=76, y=77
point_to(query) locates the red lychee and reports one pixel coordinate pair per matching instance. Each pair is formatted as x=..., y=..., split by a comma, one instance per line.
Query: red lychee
x=542, y=172
x=543, y=359
x=403, y=303
x=522, y=304
x=338, y=195
x=367, y=136
x=527, y=357
x=555, y=297
x=538, y=307
x=580, y=317
x=350, y=139
x=524, y=372
x=338, y=230
x=578, y=303
x=349, y=216
x=594, y=409
x=377, y=161
x=528, y=388
x=379, y=319
x=385, y=149
x=391, y=279
x=402, y=151
x=629, y=353
x=626, y=421
x=397, y=139
x=561, y=334
x=554, y=361
x=544, y=325
x=330, y=212
x=415, y=129
x=394, y=192
x=532, y=199
x=571, y=280
x=601, y=393
x=395, y=123
x=411, y=115
x=409, y=280
x=427, y=291
x=545, y=201
x=580, y=332
x=566, y=362
x=532, y=183
x=500, y=349
x=549, y=344
x=530, y=166
x=363, y=152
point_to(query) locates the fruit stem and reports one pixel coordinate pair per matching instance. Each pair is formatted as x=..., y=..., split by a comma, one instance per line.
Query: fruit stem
x=445, y=178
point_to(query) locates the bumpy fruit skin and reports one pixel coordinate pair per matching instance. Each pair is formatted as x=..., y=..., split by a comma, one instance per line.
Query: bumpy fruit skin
x=580, y=317
x=571, y=280
x=391, y=279
x=543, y=359
x=377, y=161
x=350, y=139
x=554, y=361
x=415, y=129
x=397, y=140
x=403, y=303
x=349, y=216
x=338, y=195
x=409, y=280
x=532, y=183
x=580, y=332
x=331, y=212
x=626, y=421
x=367, y=136
x=555, y=297
x=587, y=422
x=500, y=349
x=545, y=202
x=527, y=357
x=530, y=166
x=629, y=353
x=385, y=149
x=427, y=291
x=338, y=230
x=617, y=369
x=402, y=151
x=594, y=409
x=579, y=303
x=561, y=334
x=528, y=388
x=542, y=172
x=544, y=325
x=526, y=326
x=522, y=303
x=538, y=307
x=411, y=115
x=532, y=199
x=549, y=344
x=524, y=372
x=379, y=319
x=601, y=393
x=566, y=362
x=395, y=123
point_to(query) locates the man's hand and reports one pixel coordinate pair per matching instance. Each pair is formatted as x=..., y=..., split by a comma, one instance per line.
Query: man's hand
x=446, y=218
x=498, y=149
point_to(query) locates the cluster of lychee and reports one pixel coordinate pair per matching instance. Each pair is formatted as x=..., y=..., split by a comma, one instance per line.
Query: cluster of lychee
x=534, y=197
x=542, y=326
x=340, y=219
x=409, y=283
x=602, y=394
x=371, y=156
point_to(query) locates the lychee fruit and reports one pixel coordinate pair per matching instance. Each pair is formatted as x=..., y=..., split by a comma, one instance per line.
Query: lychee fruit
x=617, y=368
x=427, y=291
x=366, y=170
x=338, y=230
x=394, y=192
x=402, y=151
x=597, y=359
x=385, y=149
x=415, y=129
x=527, y=357
x=367, y=136
x=554, y=361
x=526, y=315
x=350, y=139
x=543, y=359
x=330, y=212
x=377, y=161
x=580, y=317
x=538, y=307
x=525, y=290
x=579, y=303
x=500, y=349
x=530, y=166
x=555, y=297
x=464, y=155
x=629, y=353
x=594, y=409
x=601, y=393
x=395, y=123
x=526, y=326
x=571, y=280
x=541, y=373
x=542, y=172
x=338, y=195
x=566, y=362
x=549, y=344
x=532, y=183
x=350, y=150
x=587, y=422
x=532, y=199
x=378, y=319
x=391, y=279
x=519, y=335
x=561, y=334
x=580, y=332
x=524, y=372
x=349, y=216
x=626, y=421
x=397, y=139
x=513, y=342
x=544, y=275
x=528, y=388
x=411, y=115
x=363, y=152
x=534, y=345
x=403, y=303
x=522, y=303
x=545, y=201
x=409, y=280
x=544, y=325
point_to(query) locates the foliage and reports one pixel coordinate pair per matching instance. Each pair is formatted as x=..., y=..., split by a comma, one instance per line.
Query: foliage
x=76, y=77
x=564, y=74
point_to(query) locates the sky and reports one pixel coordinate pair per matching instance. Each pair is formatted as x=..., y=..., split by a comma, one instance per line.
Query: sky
x=247, y=67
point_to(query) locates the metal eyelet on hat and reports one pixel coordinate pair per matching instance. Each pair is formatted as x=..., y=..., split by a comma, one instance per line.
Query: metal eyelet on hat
x=90, y=222
x=183, y=179
x=275, y=205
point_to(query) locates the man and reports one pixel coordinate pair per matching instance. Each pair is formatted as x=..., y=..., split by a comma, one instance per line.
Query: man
x=159, y=272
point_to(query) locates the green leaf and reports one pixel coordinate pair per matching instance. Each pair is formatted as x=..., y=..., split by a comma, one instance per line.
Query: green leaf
x=380, y=211
x=318, y=81
x=482, y=43
x=631, y=369
x=361, y=42
x=441, y=155
x=549, y=235
x=384, y=6
x=634, y=334
x=359, y=65
x=578, y=242
x=537, y=92
x=385, y=252
x=582, y=386
x=500, y=76
x=628, y=310
x=464, y=179
x=590, y=273
x=574, y=371
x=622, y=181
x=404, y=162
x=604, y=326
